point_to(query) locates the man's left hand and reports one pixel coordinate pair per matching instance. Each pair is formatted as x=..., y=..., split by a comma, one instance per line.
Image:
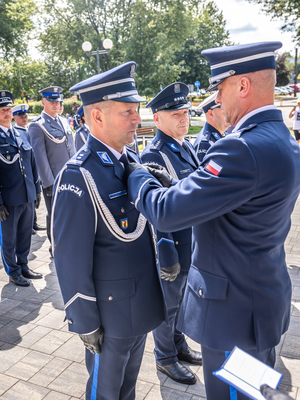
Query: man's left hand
x=37, y=201
x=170, y=273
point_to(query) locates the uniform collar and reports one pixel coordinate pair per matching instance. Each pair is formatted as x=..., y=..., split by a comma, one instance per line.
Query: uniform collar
x=113, y=151
x=251, y=114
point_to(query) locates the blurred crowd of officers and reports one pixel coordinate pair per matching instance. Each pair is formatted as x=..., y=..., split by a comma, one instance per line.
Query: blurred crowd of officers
x=186, y=239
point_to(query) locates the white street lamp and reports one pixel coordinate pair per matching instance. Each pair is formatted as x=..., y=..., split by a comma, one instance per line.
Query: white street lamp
x=87, y=47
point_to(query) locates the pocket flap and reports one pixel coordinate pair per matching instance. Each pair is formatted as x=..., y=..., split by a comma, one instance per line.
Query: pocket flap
x=207, y=285
x=111, y=291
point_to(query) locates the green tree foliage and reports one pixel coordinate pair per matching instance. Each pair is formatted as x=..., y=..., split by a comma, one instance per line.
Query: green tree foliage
x=16, y=25
x=210, y=31
x=282, y=71
x=288, y=10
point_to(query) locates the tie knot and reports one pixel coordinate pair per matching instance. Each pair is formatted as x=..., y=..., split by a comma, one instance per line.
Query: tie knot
x=123, y=159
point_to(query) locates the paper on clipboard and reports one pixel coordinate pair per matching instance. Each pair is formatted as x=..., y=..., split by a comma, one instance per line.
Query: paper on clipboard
x=247, y=374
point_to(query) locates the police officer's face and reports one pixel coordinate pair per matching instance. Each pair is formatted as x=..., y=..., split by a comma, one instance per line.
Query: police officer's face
x=228, y=98
x=21, y=120
x=51, y=107
x=119, y=124
x=173, y=123
x=5, y=116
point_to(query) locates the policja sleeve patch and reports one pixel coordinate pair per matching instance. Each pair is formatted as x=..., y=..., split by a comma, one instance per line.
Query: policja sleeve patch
x=213, y=167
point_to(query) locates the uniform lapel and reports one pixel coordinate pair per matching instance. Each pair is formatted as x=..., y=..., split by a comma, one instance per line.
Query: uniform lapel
x=19, y=140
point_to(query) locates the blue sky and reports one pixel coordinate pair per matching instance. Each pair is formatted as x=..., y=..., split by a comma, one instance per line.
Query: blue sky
x=247, y=23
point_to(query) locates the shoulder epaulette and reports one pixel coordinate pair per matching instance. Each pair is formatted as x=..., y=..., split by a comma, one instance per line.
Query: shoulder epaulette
x=156, y=144
x=80, y=157
x=37, y=118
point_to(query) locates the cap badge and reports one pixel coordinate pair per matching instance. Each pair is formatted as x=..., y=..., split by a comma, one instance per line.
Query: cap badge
x=176, y=88
x=2, y=93
x=55, y=89
x=132, y=69
x=22, y=107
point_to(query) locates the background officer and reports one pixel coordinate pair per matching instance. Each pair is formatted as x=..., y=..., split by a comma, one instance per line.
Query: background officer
x=52, y=142
x=239, y=202
x=20, y=115
x=19, y=188
x=104, y=254
x=169, y=149
x=214, y=127
x=83, y=131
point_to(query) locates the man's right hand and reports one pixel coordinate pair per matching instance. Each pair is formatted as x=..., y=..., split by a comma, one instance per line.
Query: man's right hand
x=93, y=341
x=272, y=394
x=3, y=212
x=49, y=191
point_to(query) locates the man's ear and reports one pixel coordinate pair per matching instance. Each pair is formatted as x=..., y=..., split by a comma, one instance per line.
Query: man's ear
x=210, y=113
x=156, y=119
x=244, y=86
x=97, y=116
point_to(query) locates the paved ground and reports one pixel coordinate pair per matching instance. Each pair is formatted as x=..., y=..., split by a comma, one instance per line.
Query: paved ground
x=40, y=359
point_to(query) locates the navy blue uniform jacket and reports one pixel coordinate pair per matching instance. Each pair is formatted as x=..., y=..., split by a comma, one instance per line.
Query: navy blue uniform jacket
x=19, y=181
x=239, y=203
x=206, y=138
x=173, y=247
x=104, y=280
x=52, y=149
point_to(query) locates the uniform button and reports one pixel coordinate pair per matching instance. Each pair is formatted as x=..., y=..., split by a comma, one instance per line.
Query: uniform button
x=23, y=167
x=86, y=150
x=110, y=298
x=176, y=242
x=70, y=321
x=200, y=292
x=25, y=175
x=122, y=210
x=21, y=159
x=157, y=261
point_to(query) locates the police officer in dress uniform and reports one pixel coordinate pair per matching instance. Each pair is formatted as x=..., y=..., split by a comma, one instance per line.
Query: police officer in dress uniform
x=19, y=188
x=239, y=202
x=20, y=115
x=104, y=253
x=169, y=149
x=52, y=142
x=83, y=131
x=214, y=127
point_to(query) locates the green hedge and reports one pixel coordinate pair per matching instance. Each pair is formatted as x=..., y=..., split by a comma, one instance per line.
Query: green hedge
x=37, y=107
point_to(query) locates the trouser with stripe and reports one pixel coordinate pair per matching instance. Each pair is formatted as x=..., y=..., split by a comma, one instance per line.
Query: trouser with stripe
x=15, y=236
x=113, y=373
x=168, y=340
x=212, y=359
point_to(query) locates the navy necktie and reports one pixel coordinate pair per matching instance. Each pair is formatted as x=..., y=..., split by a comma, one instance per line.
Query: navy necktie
x=11, y=135
x=123, y=159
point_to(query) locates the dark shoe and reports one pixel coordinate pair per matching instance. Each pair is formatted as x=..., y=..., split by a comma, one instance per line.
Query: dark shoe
x=50, y=251
x=29, y=274
x=33, y=232
x=190, y=356
x=19, y=280
x=38, y=227
x=178, y=372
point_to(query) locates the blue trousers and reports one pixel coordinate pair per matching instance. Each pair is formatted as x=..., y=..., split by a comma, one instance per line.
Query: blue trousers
x=113, y=372
x=168, y=340
x=15, y=236
x=214, y=359
x=48, y=204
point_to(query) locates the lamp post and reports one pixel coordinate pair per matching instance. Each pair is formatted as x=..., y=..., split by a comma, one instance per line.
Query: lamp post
x=87, y=47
